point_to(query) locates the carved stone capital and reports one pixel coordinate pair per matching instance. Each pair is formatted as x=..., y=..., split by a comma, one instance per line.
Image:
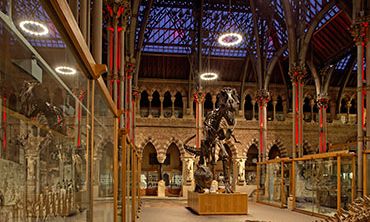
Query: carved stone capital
x=297, y=73
x=323, y=100
x=262, y=96
x=359, y=30
x=199, y=97
x=130, y=67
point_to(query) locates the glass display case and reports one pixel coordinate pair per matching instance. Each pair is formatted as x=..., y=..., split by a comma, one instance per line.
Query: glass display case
x=366, y=172
x=57, y=126
x=273, y=181
x=323, y=183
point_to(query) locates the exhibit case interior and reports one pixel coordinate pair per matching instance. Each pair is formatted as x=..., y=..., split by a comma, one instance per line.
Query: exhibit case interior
x=59, y=132
x=323, y=183
x=366, y=172
x=273, y=181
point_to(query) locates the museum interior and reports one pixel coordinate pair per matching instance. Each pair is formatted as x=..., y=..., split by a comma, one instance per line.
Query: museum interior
x=184, y=110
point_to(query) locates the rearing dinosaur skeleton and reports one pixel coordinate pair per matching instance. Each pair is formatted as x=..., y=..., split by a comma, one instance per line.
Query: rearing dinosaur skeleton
x=218, y=127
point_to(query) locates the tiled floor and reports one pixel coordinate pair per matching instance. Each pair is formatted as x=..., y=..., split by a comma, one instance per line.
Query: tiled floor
x=171, y=210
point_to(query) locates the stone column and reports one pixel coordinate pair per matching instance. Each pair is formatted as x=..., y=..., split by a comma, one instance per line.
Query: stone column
x=138, y=98
x=285, y=109
x=96, y=181
x=297, y=73
x=243, y=109
x=274, y=103
x=191, y=106
x=161, y=192
x=214, y=100
x=150, y=98
x=322, y=102
x=187, y=175
x=333, y=113
x=161, y=98
x=262, y=97
x=199, y=99
x=31, y=176
x=348, y=106
x=241, y=171
x=184, y=105
x=361, y=35
x=173, y=98
x=312, y=104
x=253, y=110
x=1, y=125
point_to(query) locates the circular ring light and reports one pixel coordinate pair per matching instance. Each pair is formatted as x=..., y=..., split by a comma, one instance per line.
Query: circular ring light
x=65, y=70
x=230, y=39
x=34, y=28
x=208, y=76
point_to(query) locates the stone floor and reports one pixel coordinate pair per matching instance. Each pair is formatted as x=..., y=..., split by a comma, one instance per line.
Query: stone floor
x=174, y=210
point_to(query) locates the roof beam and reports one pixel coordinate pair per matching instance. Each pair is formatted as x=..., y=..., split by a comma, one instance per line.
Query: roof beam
x=347, y=73
x=245, y=71
x=141, y=40
x=312, y=28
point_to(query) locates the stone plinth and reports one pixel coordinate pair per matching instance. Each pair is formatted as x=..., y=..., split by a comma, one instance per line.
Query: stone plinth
x=216, y=204
x=161, y=188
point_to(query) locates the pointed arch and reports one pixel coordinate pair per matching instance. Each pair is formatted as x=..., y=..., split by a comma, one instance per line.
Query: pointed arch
x=254, y=141
x=283, y=150
x=149, y=139
x=179, y=145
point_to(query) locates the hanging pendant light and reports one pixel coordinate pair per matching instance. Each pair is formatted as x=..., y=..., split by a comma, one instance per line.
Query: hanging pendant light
x=230, y=39
x=65, y=70
x=208, y=76
x=34, y=28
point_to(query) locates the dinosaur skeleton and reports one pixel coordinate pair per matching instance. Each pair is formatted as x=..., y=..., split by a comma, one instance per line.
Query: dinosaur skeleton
x=218, y=128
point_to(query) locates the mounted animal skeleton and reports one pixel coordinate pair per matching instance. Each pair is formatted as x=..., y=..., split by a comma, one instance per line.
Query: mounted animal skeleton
x=218, y=128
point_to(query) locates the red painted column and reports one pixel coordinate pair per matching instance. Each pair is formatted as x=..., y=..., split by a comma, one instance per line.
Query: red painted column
x=297, y=73
x=262, y=98
x=322, y=103
x=360, y=30
x=199, y=99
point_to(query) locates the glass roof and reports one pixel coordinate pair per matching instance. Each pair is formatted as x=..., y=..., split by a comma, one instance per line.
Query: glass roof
x=31, y=10
x=172, y=28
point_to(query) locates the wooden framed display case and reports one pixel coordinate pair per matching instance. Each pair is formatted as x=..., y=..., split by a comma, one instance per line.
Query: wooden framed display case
x=366, y=173
x=273, y=182
x=76, y=122
x=323, y=183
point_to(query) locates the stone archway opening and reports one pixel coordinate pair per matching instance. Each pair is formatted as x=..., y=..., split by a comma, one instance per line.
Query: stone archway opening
x=172, y=171
x=274, y=152
x=251, y=165
x=149, y=171
x=106, y=171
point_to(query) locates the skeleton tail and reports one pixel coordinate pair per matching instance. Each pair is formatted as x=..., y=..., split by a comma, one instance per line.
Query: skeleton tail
x=191, y=149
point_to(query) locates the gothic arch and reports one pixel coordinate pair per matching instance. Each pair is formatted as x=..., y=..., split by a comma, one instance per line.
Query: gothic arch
x=250, y=92
x=280, y=145
x=149, y=139
x=254, y=141
x=179, y=145
x=308, y=149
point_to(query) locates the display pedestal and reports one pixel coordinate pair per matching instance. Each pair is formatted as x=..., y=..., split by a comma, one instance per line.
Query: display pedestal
x=161, y=188
x=215, y=204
